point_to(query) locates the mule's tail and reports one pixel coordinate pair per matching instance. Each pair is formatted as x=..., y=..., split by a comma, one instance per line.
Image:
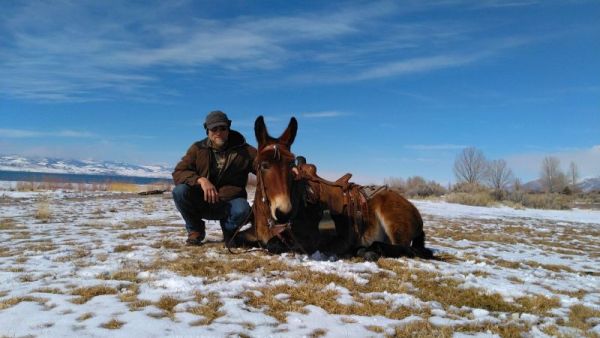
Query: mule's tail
x=418, y=247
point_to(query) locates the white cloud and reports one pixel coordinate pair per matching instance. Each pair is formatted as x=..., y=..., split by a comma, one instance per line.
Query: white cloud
x=22, y=133
x=65, y=51
x=323, y=114
x=435, y=146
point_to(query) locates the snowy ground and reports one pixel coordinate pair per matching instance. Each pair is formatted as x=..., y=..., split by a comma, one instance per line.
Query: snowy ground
x=107, y=264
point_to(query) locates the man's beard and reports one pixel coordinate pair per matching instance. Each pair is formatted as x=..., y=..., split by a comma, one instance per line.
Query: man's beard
x=218, y=143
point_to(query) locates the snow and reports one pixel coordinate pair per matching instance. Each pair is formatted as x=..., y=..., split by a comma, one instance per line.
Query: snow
x=76, y=248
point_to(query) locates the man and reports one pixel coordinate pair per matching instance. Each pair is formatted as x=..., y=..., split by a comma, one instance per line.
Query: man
x=210, y=180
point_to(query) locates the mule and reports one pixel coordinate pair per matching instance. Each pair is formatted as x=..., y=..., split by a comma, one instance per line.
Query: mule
x=384, y=224
x=283, y=219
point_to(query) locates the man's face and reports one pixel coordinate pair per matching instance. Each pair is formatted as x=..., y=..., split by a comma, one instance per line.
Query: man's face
x=218, y=136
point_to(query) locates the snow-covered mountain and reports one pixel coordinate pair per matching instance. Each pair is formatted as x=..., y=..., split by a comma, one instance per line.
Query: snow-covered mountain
x=54, y=165
x=589, y=184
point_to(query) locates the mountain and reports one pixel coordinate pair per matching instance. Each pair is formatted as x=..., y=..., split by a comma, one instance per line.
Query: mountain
x=63, y=166
x=589, y=184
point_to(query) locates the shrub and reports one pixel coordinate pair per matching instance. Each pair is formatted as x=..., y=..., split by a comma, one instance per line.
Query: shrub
x=465, y=187
x=482, y=199
x=417, y=186
x=547, y=201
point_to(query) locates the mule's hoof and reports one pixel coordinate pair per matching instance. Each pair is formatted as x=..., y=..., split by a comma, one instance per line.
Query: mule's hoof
x=371, y=256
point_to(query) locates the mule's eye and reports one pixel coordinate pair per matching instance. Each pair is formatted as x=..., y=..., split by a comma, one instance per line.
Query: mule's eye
x=265, y=165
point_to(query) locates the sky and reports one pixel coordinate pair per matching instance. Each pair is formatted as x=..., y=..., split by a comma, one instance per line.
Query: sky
x=380, y=88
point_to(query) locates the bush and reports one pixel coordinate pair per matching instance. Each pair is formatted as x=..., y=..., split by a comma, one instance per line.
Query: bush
x=417, y=186
x=481, y=199
x=469, y=188
x=547, y=201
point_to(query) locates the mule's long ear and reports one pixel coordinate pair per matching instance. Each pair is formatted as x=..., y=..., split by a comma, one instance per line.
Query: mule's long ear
x=260, y=131
x=289, y=134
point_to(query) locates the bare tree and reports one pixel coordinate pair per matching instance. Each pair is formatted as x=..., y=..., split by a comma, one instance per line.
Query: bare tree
x=498, y=176
x=517, y=185
x=470, y=166
x=573, y=173
x=553, y=179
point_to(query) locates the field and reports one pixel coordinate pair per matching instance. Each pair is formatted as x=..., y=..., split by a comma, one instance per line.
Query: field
x=113, y=264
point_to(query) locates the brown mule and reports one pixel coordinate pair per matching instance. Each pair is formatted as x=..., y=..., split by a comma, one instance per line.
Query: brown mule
x=384, y=223
x=283, y=220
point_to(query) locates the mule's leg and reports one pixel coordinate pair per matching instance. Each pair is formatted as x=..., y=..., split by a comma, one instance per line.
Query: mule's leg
x=418, y=246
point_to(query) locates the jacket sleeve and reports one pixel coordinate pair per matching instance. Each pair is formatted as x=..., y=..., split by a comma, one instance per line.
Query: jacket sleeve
x=185, y=171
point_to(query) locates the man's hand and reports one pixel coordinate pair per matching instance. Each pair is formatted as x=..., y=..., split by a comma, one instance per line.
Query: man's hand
x=211, y=195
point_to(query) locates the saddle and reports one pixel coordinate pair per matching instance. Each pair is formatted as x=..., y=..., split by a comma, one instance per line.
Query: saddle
x=355, y=197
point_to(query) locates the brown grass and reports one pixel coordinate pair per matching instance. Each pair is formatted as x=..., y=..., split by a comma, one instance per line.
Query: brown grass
x=113, y=324
x=482, y=199
x=7, y=224
x=126, y=275
x=55, y=291
x=85, y=316
x=87, y=293
x=10, y=302
x=167, y=303
x=43, y=212
x=579, y=315
x=208, y=308
x=124, y=187
x=124, y=248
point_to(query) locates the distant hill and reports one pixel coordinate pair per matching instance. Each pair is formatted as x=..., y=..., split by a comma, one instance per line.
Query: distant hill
x=589, y=184
x=91, y=167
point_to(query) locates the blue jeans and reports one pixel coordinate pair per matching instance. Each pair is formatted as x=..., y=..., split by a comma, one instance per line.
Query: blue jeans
x=190, y=203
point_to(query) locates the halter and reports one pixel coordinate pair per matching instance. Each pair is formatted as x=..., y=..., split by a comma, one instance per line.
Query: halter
x=276, y=229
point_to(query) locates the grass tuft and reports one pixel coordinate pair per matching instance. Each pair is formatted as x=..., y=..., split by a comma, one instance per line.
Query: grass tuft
x=87, y=293
x=113, y=324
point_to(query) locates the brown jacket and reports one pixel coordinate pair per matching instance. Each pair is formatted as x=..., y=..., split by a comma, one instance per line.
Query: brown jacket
x=231, y=182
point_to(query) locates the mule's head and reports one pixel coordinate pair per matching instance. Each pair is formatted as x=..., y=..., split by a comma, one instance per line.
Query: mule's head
x=274, y=163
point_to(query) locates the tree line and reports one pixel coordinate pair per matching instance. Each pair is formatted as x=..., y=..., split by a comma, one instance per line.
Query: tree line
x=472, y=168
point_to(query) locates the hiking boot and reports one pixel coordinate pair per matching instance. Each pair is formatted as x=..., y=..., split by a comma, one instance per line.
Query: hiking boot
x=195, y=238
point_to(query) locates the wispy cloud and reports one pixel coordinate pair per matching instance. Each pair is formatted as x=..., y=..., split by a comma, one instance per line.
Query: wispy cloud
x=22, y=133
x=324, y=114
x=434, y=146
x=65, y=51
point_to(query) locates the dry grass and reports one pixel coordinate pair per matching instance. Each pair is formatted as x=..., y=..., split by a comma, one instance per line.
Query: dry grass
x=113, y=324
x=167, y=244
x=7, y=224
x=124, y=248
x=167, y=303
x=208, y=308
x=579, y=316
x=124, y=187
x=87, y=293
x=55, y=291
x=43, y=212
x=482, y=199
x=126, y=275
x=10, y=302
x=85, y=316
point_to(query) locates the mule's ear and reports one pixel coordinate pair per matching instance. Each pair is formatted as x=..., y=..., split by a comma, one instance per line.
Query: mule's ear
x=260, y=131
x=289, y=134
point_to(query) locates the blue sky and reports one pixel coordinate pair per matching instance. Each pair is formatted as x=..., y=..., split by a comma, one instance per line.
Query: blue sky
x=380, y=89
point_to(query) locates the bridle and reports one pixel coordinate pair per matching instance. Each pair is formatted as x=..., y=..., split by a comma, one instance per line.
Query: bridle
x=275, y=228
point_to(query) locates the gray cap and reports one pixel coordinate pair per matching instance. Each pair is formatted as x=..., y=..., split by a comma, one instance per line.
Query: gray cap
x=216, y=118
